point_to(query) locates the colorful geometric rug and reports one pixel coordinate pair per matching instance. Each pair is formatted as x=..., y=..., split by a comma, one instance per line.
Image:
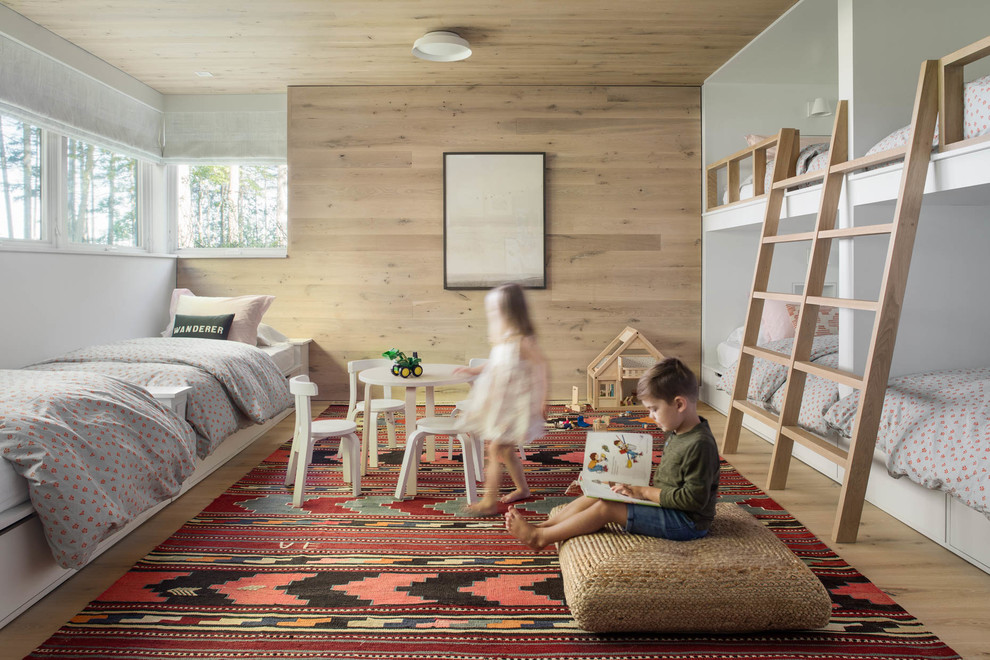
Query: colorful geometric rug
x=372, y=578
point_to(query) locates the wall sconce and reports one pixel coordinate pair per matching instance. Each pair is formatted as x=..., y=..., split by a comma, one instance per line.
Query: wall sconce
x=819, y=108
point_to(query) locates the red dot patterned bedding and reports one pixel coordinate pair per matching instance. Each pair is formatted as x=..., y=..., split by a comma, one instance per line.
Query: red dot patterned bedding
x=96, y=452
x=232, y=383
x=935, y=430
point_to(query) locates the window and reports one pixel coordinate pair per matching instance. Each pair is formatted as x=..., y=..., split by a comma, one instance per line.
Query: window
x=231, y=206
x=101, y=196
x=20, y=180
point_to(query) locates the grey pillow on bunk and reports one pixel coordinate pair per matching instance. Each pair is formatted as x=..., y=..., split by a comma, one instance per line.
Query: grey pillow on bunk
x=203, y=327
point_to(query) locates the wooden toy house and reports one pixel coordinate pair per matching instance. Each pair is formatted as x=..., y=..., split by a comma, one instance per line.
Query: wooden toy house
x=612, y=376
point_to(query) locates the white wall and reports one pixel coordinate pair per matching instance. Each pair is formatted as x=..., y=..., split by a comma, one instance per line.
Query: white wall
x=890, y=39
x=768, y=84
x=53, y=303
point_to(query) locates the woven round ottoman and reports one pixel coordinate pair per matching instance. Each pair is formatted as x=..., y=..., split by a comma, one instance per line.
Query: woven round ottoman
x=739, y=578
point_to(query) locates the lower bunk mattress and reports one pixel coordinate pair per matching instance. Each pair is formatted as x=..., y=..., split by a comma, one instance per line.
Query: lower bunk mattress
x=934, y=426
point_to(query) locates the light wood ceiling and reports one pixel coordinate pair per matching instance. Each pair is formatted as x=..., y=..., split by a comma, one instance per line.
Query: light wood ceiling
x=262, y=46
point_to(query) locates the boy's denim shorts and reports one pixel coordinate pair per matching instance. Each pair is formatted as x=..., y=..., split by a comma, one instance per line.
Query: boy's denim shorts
x=662, y=523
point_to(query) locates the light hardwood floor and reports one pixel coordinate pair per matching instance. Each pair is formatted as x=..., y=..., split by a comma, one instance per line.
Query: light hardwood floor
x=950, y=596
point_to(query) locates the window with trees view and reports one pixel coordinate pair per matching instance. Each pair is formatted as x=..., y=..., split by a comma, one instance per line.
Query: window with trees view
x=101, y=195
x=20, y=179
x=232, y=206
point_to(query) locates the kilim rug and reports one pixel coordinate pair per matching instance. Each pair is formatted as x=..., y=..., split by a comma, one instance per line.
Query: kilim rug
x=374, y=578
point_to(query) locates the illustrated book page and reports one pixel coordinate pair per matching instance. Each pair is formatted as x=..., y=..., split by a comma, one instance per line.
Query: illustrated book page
x=625, y=458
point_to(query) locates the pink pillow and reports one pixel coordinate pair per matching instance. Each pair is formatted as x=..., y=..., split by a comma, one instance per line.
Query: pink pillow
x=827, y=323
x=776, y=322
x=247, y=310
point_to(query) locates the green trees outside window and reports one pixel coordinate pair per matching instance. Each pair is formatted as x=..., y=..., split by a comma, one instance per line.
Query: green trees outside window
x=232, y=206
x=20, y=180
x=101, y=195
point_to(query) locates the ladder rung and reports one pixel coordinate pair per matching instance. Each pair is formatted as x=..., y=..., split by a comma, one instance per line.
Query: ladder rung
x=878, y=158
x=829, y=373
x=773, y=356
x=845, y=303
x=756, y=411
x=807, y=177
x=817, y=444
x=790, y=238
x=782, y=297
x=849, y=232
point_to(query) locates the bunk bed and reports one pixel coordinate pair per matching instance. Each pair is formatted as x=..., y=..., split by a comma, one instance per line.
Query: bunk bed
x=178, y=408
x=912, y=430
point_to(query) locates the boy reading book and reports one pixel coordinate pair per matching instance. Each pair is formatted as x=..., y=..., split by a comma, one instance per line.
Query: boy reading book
x=685, y=484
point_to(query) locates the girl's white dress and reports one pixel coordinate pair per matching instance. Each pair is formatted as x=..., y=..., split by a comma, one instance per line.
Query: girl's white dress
x=505, y=405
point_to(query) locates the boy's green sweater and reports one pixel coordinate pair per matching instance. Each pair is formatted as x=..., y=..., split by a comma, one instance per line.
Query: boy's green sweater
x=687, y=475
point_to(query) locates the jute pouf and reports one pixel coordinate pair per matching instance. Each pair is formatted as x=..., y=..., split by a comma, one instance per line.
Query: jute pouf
x=738, y=578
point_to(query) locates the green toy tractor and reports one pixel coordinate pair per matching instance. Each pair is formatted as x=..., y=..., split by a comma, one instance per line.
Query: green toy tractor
x=402, y=365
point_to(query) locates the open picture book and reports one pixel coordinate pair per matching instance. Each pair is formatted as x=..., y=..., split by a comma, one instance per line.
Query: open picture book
x=625, y=458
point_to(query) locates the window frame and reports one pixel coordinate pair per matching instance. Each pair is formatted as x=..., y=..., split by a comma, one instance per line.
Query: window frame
x=46, y=242
x=172, y=187
x=53, y=153
x=141, y=226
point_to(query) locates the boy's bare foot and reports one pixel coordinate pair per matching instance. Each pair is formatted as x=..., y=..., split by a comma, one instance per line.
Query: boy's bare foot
x=481, y=509
x=522, y=530
x=514, y=496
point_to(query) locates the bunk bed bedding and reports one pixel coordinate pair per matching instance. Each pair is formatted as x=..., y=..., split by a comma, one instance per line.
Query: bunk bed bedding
x=976, y=123
x=767, y=379
x=94, y=451
x=935, y=430
x=811, y=158
x=233, y=384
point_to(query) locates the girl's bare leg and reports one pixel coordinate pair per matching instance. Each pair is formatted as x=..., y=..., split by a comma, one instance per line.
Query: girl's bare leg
x=584, y=521
x=509, y=455
x=488, y=506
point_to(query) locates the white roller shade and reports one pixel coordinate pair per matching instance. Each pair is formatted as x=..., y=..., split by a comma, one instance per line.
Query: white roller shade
x=52, y=95
x=242, y=135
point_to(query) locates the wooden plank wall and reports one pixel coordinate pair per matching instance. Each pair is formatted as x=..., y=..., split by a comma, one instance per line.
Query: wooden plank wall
x=365, y=269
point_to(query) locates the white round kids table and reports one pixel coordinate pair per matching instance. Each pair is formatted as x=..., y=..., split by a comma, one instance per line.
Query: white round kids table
x=433, y=375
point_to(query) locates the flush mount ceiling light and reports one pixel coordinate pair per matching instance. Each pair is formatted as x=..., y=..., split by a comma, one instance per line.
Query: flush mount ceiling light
x=441, y=47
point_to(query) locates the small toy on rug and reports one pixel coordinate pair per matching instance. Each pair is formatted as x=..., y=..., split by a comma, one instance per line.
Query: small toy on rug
x=575, y=406
x=601, y=424
x=579, y=422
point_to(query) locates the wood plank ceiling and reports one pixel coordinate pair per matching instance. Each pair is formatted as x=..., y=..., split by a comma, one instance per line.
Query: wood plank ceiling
x=261, y=46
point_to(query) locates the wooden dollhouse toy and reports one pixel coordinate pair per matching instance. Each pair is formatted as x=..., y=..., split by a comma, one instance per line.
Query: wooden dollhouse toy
x=613, y=374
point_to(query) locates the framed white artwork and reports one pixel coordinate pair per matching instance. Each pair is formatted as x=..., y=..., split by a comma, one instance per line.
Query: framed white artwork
x=494, y=220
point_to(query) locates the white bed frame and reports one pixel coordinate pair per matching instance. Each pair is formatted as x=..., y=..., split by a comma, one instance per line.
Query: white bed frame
x=28, y=571
x=957, y=177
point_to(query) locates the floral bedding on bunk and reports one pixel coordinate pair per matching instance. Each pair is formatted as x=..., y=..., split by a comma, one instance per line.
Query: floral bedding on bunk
x=230, y=380
x=767, y=379
x=976, y=122
x=935, y=430
x=976, y=118
x=96, y=452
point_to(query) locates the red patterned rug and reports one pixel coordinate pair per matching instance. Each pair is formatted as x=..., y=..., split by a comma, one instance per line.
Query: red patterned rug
x=372, y=578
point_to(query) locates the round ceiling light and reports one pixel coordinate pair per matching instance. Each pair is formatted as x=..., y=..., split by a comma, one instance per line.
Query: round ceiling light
x=441, y=47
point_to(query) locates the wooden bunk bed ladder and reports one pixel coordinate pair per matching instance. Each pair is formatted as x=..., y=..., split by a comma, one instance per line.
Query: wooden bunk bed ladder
x=872, y=385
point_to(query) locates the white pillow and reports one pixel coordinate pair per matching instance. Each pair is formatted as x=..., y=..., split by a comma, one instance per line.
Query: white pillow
x=247, y=311
x=269, y=336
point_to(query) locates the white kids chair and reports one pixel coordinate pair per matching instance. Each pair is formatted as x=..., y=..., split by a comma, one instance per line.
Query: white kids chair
x=386, y=407
x=308, y=432
x=471, y=455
